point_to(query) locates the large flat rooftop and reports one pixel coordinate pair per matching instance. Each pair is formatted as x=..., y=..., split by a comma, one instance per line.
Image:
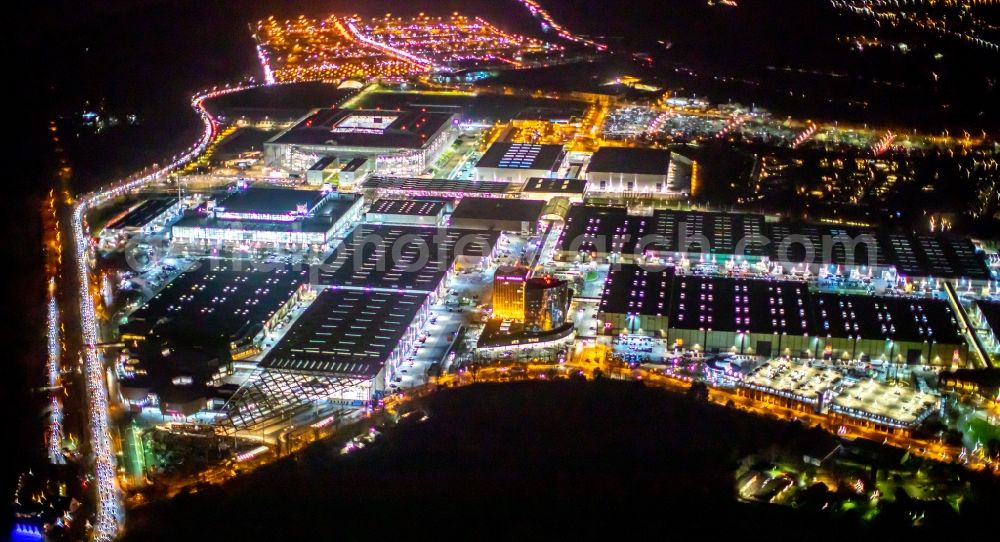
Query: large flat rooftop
x=629, y=160
x=725, y=233
x=408, y=128
x=418, y=186
x=142, y=214
x=345, y=333
x=801, y=381
x=404, y=258
x=274, y=217
x=407, y=207
x=498, y=209
x=895, y=318
x=268, y=200
x=630, y=289
x=750, y=235
x=847, y=245
x=740, y=305
x=504, y=155
x=934, y=256
x=895, y=405
x=769, y=306
x=604, y=230
x=547, y=185
x=308, y=225
x=215, y=303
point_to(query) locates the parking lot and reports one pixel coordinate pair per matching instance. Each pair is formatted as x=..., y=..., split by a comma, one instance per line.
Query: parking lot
x=432, y=346
x=585, y=318
x=465, y=303
x=640, y=349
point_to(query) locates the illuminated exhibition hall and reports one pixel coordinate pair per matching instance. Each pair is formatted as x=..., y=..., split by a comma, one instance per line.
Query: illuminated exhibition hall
x=455, y=270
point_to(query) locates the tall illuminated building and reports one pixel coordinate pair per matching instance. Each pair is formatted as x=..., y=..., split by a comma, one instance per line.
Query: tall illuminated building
x=546, y=303
x=508, y=292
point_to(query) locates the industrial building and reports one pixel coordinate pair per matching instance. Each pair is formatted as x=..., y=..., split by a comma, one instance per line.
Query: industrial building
x=406, y=212
x=343, y=350
x=147, y=217
x=743, y=316
x=183, y=341
x=404, y=258
x=767, y=317
x=691, y=234
x=879, y=406
x=985, y=315
x=708, y=168
x=354, y=173
x=631, y=171
x=893, y=329
x=516, y=215
x=789, y=384
x=330, y=170
x=347, y=346
x=814, y=248
x=636, y=300
x=409, y=187
x=547, y=189
x=602, y=234
x=263, y=203
x=693, y=238
x=402, y=142
x=258, y=216
x=846, y=401
x=535, y=188
x=926, y=256
x=324, y=171
x=518, y=162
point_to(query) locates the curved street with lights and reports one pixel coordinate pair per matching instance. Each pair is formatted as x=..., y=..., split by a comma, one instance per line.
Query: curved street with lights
x=110, y=510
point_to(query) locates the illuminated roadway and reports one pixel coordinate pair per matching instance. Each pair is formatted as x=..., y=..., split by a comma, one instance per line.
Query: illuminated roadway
x=55, y=436
x=549, y=22
x=110, y=512
x=387, y=49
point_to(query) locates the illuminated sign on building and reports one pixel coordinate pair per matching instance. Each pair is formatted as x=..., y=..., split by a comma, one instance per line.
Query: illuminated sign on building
x=508, y=292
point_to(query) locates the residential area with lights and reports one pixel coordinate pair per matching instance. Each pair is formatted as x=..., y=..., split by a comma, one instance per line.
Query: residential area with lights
x=428, y=217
